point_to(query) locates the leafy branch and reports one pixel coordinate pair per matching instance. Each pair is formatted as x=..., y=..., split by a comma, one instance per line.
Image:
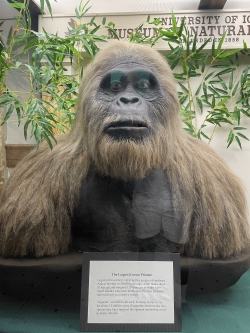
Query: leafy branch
x=49, y=106
x=223, y=88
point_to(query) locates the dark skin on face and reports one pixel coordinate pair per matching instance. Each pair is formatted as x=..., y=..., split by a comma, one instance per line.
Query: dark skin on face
x=130, y=91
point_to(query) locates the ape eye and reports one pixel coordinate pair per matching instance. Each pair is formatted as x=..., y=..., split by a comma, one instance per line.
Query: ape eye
x=142, y=84
x=116, y=85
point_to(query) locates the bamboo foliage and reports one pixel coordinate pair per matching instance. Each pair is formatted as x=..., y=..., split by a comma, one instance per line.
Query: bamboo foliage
x=45, y=71
x=211, y=82
x=223, y=89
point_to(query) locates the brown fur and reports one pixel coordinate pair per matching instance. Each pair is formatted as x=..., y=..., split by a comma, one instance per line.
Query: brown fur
x=43, y=191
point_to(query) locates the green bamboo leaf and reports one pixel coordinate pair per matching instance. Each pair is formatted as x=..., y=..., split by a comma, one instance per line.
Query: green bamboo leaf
x=174, y=63
x=86, y=10
x=9, y=36
x=5, y=100
x=224, y=120
x=244, y=76
x=204, y=64
x=243, y=136
x=213, y=49
x=220, y=66
x=38, y=135
x=213, y=121
x=181, y=27
x=231, y=81
x=75, y=51
x=220, y=43
x=236, y=114
x=46, y=137
x=198, y=90
x=243, y=100
x=223, y=101
x=18, y=112
x=214, y=91
x=30, y=68
x=104, y=21
x=225, y=71
x=112, y=30
x=167, y=33
x=204, y=86
x=189, y=125
x=183, y=87
x=25, y=128
x=203, y=45
x=42, y=6
x=209, y=75
x=179, y=76
x=8, y=113
x=230, y=138
x=237, y=60
x=222, y=83
x=175, y=29
x=194, y=43
x=49, y=7
x=213, y=102
x=95, y=29
x=199, y=103
x=238, y=141
x=239, y=128
x=183, y=99
x=214, y=82
x=77, y=13
x=17, y=5
x=31, y=43
x=191, y=66
x=205, y=136
x=245, y=112
x=171, y=40
x=228, y=53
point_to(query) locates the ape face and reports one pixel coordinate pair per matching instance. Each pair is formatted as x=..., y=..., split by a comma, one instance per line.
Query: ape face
x=126, y=120
x=129, y=91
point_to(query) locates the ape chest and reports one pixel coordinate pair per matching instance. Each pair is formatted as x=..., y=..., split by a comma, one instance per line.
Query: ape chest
x=111, y=210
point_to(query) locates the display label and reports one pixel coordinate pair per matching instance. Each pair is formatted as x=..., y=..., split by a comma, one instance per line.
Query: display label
x=125, y=290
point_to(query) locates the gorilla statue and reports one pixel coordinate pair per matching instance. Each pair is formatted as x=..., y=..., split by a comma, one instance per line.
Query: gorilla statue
x=127, y=177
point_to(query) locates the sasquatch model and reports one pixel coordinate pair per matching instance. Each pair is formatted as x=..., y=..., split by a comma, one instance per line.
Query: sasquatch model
x=127, y=177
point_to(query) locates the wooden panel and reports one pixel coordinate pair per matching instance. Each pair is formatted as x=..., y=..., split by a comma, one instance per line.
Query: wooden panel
x=212, y=4
x=15, y=153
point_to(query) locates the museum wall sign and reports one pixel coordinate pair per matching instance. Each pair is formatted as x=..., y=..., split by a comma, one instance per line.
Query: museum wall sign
x=207, y=24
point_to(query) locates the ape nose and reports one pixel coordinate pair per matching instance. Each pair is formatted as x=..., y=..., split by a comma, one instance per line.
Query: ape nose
x=127, y=100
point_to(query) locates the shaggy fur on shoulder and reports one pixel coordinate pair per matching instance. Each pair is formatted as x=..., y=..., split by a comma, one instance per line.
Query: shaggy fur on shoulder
x=42, y=193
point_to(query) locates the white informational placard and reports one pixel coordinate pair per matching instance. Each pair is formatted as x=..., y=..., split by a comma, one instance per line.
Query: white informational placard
x=131, y=292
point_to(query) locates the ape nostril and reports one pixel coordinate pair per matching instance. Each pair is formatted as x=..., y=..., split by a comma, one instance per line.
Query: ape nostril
x=127, y=100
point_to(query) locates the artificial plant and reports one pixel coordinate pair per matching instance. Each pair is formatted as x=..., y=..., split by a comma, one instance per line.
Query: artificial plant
x=223, y=88
x=45, y=70
x=222, y=92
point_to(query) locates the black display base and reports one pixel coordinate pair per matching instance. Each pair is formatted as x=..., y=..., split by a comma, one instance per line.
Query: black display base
x=18, y=276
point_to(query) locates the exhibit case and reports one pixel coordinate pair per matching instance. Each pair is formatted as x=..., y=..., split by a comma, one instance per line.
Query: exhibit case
x=129, y=222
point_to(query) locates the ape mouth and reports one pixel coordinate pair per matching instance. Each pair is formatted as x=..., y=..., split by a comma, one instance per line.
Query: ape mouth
x=127, y=129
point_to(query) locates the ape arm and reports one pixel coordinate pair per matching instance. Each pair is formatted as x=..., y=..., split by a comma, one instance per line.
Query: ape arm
x=37, y=203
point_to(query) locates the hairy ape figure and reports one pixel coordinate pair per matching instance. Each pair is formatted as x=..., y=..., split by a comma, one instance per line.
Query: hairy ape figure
x=127, y=177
